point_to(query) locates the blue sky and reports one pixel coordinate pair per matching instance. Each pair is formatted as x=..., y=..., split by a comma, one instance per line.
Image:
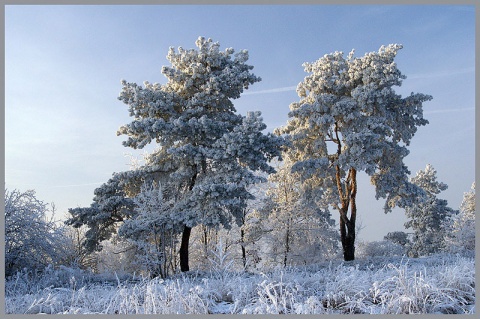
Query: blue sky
x=64, y=65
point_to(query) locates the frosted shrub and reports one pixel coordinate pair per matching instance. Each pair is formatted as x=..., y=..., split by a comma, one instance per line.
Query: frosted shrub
x=417, y=290
x=32, y=239
x=221, y=271
x=312, y=305
x=403, y=293
x=382, y=248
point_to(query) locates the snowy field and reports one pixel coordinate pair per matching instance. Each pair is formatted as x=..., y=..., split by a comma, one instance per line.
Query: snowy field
x=440, y=284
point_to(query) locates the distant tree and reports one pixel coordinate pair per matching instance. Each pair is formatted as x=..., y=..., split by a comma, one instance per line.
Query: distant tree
x=205, y=147
x=397, y=237
x=349, y=119
x=427, y=217
x=32, y=239
x=461, y=227
x=251, y=228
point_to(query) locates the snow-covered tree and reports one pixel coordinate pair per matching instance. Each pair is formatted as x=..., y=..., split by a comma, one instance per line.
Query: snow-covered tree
x=32, y=239
x=300, y=231
x=397, y=237
x=151, y=230
x=461, y=227
x=349, y=119
x=251, y=228
x=205, y=147
x=241, y=241
x=427, y=217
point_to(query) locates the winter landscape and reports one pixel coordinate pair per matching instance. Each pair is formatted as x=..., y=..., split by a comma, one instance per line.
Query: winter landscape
x=222, y=214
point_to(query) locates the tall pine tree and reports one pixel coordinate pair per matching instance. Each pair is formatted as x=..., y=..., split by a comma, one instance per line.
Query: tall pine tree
x=206, y=153
x=349, y=119
x=206, y=149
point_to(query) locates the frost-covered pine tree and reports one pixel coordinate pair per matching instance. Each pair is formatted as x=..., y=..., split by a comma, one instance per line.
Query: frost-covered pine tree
x=207, y=150
x=427, y=217
x=349, y=119
x=461, y=227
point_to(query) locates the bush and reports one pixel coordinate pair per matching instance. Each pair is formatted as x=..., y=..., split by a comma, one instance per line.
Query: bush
x=383, y=248
x=32, y=241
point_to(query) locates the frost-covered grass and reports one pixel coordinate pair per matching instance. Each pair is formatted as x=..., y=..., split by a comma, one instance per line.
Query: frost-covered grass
x=440, y=284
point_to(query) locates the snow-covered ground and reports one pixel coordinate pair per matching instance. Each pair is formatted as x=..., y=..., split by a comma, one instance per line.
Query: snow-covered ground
x=440, y=284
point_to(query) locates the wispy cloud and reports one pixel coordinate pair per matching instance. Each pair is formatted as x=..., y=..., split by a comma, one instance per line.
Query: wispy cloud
x=57, y=186
x=417, y=76
x=439, y=74
x=275, y=90
x=77, y=185
x=450, y=110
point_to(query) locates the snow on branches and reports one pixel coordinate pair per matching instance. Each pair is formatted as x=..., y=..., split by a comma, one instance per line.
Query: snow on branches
x=206, y=153
x=350, y=103
x=461, y=227
x=350, y=119
x=193, y=120
x=427, y=217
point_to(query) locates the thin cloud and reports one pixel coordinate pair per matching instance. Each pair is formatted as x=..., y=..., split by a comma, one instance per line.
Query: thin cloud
x=58, y=186
x=450, y=110
x=440, y=74
x=276, y=90
x=409, y=77
x=76, y=185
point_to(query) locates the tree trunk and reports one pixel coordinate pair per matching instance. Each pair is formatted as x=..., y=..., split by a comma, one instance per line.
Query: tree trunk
x=184, y=249
x=205, y=242
x=244, y=252
x=287, y=246
x=348, y=240
x=347, y=225
x=186, y=231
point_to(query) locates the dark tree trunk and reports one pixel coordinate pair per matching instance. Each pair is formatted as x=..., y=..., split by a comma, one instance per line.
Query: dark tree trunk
x=186, y=231
x=347, y=191
x=184, y=249
x=287, y=246
x=205, y=242
x=347, y=225
x=348, y=241
x=244, y=252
